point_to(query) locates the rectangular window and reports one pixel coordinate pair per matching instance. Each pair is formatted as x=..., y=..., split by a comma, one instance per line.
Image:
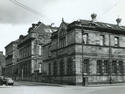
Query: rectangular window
x=106, y=66
x=62, y=66
x=114, y=67
x=116, y=41
x=49, y=51
x=99, y=66
x=86, y=66
x=85, y=38
x=102, y=40
x=121, y=67
x=49, y=68
x=55, y=68
x=40, y=67
x=69, y=67
x=40, y=50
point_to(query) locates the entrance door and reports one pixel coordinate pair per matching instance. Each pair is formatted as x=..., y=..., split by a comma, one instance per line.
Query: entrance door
x=85, y=81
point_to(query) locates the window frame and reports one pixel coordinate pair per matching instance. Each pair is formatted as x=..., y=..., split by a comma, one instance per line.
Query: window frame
x=86, y=40
x=99, y=66
x=116, y=41
x=102, y=40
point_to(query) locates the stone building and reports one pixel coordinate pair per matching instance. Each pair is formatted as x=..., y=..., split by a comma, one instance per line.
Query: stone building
x=31, y=51
x=85, y=52
x=82, y=52
x=2, y=62
x=11, y=56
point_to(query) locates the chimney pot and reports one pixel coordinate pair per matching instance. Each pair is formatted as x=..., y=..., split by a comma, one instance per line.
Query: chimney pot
x=38, y=23
x=33, y=25
x=118, y=20
x=93, y=16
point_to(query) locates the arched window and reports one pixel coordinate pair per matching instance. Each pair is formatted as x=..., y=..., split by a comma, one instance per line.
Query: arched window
x=62, y=38
x=62, y=31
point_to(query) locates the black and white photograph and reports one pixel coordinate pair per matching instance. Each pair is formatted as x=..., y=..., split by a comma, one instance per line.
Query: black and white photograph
x=62, y=46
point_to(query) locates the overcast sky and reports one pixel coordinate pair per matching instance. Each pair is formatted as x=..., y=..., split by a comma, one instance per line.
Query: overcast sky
x=16, y=16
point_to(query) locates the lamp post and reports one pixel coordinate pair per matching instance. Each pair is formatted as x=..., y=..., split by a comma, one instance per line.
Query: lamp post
x=110, y=63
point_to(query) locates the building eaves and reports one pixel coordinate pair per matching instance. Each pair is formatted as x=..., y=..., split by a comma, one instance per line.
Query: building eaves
x=11, y=43
x=106, y=27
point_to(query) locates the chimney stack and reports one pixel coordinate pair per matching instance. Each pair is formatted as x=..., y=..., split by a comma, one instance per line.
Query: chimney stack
x=38, y=23
x=1, y=52
x=93, y=16
x=118, y=20
x=33, y=25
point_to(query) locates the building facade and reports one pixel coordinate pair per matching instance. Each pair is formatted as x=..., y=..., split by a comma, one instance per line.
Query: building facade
x=85, y=52
x=31, y=52
x=81, y=53
x=2, y=62
x=11, y=56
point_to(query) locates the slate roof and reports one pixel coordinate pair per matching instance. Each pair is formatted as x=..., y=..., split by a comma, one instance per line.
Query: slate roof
x=98, y=26
x=103, y=25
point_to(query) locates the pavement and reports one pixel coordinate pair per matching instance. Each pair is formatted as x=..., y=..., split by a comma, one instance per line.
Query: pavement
x=29, y=83
x=26, y=87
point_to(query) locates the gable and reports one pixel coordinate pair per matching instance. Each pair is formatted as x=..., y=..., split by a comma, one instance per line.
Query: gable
x=62, y=29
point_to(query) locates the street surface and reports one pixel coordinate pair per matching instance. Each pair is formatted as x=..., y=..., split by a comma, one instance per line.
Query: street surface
x=43, y=88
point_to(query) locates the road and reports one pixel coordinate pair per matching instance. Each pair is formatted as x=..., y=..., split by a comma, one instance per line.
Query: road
x=42, y=88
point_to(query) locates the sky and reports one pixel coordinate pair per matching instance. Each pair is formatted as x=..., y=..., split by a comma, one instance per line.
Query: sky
x=16, y=16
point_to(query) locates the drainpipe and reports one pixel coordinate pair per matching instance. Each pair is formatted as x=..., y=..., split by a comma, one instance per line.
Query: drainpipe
x=83, y=78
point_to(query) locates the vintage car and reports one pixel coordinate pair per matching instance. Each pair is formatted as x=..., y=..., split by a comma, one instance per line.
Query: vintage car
x=2, y=80
x=6, y=81
x=9, y=81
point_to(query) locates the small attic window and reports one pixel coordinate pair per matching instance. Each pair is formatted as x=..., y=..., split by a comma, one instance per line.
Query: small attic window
x=116, y=41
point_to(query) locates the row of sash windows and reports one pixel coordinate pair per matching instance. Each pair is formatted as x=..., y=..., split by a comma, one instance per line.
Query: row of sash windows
x=104, y=66
x=85, y=38
x=59, y=68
